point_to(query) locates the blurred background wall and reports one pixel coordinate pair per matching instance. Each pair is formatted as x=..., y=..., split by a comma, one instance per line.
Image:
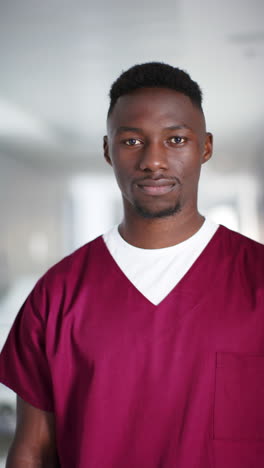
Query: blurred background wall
x=58, y=60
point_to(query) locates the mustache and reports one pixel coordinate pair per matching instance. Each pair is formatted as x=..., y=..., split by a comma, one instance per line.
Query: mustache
x=172, y=179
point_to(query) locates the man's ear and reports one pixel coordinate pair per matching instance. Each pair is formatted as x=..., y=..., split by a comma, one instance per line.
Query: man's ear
x=208, y=147
x=106, y=151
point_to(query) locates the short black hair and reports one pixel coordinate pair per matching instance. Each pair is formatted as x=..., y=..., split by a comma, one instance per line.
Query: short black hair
x=155, y=75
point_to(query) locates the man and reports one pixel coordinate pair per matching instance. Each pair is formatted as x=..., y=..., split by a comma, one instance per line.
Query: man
x=145, y=347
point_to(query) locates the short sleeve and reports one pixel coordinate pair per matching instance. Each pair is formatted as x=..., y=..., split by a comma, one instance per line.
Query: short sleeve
x=23, y=362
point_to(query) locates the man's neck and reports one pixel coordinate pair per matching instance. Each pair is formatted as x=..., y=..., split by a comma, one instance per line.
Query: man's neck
x=160, y=233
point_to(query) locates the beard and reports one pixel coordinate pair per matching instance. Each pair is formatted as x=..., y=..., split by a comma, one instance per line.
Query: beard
x=146, y=213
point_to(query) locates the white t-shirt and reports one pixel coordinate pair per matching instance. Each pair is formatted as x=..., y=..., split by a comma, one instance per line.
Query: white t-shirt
x=155, y=272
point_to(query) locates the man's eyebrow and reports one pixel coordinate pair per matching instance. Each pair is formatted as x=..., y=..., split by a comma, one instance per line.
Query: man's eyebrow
x=178, y=127
x=140, y=130
x=128, y=129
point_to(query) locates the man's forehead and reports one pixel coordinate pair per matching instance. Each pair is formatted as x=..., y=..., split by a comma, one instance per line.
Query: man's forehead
x=154, y=104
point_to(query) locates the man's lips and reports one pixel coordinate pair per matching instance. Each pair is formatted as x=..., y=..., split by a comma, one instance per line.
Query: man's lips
x=156, y=186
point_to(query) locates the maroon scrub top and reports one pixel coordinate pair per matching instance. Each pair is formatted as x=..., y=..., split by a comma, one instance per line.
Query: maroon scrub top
x=134, y=385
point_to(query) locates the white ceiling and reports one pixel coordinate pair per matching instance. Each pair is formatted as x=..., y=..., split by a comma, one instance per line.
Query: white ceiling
x=59, y=58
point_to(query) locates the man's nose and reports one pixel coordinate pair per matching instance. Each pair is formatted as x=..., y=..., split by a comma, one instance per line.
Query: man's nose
x=153, y=157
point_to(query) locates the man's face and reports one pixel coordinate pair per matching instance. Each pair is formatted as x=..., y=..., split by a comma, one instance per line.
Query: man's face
x=156, y=144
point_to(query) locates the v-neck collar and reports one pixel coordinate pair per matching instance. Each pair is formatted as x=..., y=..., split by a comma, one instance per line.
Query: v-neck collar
x=112, y=264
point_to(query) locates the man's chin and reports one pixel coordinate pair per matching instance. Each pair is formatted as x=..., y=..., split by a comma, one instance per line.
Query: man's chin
x=147, y=213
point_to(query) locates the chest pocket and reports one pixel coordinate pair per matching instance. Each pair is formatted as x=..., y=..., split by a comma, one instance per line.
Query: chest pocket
x=239, y=397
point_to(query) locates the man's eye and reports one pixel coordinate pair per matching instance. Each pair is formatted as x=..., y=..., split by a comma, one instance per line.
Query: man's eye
x=132, y=142
x=177, y=139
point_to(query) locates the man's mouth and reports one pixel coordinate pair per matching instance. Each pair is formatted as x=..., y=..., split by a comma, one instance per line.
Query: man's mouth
x=156, y=186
